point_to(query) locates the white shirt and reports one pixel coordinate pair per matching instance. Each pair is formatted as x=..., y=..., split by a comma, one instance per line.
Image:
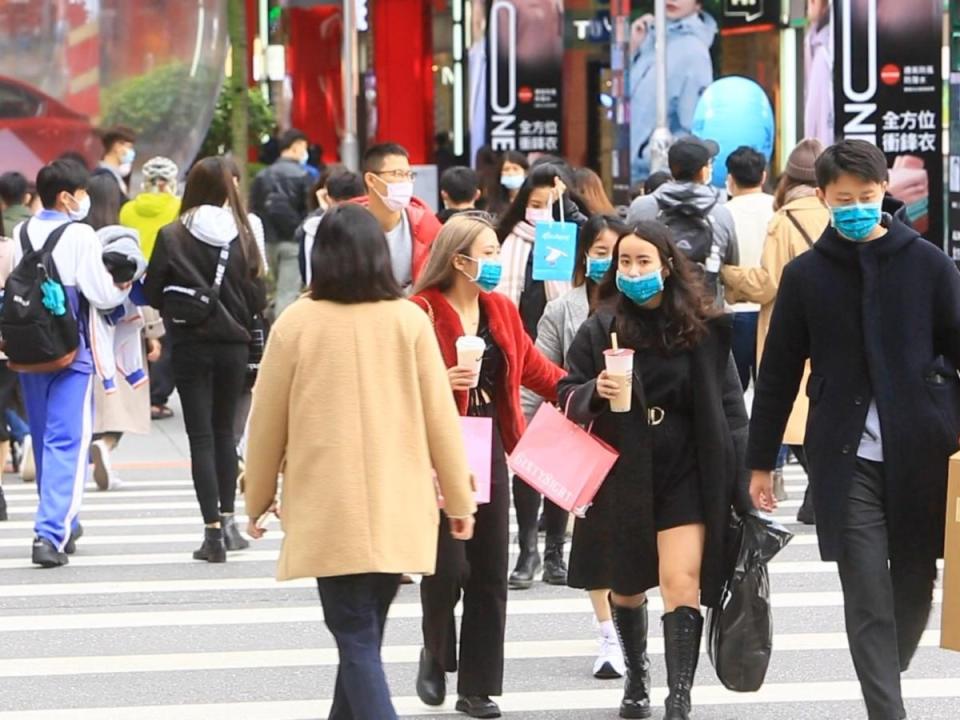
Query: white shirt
x=400, y=240
x=752, y=214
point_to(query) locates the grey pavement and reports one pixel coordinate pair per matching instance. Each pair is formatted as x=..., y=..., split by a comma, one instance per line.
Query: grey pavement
x=134, y=628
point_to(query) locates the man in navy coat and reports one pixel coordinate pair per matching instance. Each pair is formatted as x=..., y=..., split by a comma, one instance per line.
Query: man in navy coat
x=876, y=309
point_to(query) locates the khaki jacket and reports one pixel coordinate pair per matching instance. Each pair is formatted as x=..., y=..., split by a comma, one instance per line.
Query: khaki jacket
x=785, y=241
x=355, y=400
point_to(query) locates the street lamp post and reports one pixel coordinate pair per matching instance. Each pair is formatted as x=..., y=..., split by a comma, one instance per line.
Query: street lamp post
x=661, y=138
x=349, y=150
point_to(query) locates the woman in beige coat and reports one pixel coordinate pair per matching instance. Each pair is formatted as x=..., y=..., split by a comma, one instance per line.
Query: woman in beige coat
x=799, y=221
x=354, y=405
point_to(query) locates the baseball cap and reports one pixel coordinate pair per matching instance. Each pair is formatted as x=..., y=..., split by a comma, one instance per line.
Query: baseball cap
x=689, y=155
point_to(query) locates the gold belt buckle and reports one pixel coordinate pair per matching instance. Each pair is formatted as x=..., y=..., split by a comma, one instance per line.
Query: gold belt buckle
x=655, y=415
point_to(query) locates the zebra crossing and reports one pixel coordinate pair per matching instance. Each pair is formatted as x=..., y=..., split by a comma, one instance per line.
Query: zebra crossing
x=133, y=628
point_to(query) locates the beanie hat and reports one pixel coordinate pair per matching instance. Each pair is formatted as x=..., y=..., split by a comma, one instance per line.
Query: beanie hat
x=802, y=163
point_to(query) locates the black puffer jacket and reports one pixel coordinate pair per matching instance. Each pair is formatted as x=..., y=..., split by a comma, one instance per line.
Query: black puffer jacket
x=189, y=257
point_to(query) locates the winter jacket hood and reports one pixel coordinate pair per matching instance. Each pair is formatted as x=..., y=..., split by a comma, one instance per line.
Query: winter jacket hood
x=155, y=204
x=215, y=226
x=675, y=194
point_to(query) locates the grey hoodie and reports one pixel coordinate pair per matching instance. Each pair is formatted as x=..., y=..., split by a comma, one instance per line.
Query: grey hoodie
x=674, y=194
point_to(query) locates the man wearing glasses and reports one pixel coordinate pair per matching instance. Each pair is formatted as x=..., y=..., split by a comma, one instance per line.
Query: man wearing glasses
x=407, y=221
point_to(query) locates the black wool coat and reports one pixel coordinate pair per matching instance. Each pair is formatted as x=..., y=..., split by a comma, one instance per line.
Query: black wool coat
x=720, y=427
x=878, y=321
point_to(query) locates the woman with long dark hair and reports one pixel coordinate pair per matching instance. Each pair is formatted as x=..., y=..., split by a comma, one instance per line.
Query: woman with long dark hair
x=591, y=191
x=210, y=251
x=659, y=518
x=455, y=290
x=555, y=333
x=505, y=181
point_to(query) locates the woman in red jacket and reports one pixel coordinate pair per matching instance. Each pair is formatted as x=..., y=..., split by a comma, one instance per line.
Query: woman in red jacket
x=455, y=290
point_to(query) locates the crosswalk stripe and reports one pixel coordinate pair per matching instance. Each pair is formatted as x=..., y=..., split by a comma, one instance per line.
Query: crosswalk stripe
x=520, y=702
x=392, y=654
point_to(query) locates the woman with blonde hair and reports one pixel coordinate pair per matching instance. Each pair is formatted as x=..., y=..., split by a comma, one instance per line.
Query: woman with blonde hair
x=456, y=292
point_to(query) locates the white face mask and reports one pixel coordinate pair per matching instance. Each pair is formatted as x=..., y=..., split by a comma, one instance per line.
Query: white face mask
x=535, y=215
x=83, y=209
x=398, y=197
x=125, y=169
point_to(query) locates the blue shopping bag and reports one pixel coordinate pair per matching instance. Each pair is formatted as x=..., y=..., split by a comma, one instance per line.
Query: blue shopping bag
x=554, y=251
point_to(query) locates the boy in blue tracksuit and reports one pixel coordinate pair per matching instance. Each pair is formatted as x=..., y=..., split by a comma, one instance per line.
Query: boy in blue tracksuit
x=60, y=404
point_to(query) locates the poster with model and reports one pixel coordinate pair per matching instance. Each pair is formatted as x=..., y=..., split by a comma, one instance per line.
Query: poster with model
x=888, y=90
x=692, y=35
x=818, y=120
x=520, y=90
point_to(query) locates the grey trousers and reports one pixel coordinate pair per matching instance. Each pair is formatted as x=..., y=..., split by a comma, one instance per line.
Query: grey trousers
x=886, y=601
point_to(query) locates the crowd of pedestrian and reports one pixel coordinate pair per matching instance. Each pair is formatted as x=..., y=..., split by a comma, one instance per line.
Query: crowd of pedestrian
x=342, y=301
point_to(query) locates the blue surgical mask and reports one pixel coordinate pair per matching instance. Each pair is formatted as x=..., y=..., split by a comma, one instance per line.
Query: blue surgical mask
x=642, y=289
x=488, y=273
x=597, y=267
x=856, y=222
x=512, y=182
x=128, y=157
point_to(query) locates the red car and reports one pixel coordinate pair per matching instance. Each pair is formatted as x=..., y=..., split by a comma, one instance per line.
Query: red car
x=36, y=129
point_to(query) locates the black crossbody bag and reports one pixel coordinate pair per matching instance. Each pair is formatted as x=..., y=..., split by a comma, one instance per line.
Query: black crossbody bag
x=193, y=306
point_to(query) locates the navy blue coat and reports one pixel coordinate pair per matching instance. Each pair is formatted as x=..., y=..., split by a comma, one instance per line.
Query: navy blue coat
x=878, y=320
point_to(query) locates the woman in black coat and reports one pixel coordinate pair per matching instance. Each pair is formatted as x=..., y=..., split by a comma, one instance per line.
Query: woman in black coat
x=660, y=517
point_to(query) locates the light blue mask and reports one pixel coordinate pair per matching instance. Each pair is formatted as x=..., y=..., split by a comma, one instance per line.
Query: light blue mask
x=597, y=267
x=488, y=273
x=512, y=182
x=643, y=289
x=856, y=222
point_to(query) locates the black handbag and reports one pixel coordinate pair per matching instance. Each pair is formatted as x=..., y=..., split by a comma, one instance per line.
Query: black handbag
x=193, y=306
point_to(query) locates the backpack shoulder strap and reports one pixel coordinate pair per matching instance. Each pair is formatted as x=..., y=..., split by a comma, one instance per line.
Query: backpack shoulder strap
x=25, y=240
x=796, y=223
x=221, y=268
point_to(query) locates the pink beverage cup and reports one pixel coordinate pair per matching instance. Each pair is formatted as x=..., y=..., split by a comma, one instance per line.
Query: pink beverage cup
x=620, y=368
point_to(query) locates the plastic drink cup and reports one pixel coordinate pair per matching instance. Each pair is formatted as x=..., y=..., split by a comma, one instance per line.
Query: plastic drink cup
x=470, y=350
x=620, y=368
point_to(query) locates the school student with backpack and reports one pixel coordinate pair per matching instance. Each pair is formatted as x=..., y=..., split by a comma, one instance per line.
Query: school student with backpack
x=58, y=280
x=702, y=227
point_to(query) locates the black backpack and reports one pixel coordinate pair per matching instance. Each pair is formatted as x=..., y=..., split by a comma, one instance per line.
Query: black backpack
x=35, y=338
x=694, y=234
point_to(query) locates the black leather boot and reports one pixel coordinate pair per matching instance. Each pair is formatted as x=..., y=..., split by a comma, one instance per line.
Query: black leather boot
x=806, y=514
x=214, y=549
x=554, y=568
x=431, y=680
x=3, y=506
x=528, y=563
x=231, y=534
x=682, y=629
x=632, y=625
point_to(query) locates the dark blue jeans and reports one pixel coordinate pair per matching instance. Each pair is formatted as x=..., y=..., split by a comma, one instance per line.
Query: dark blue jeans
x=355, y=610
x=745, y=345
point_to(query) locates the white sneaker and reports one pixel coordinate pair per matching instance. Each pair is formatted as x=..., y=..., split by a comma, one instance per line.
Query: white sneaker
x=28, y=466
x=103, y=474
x=609, y=664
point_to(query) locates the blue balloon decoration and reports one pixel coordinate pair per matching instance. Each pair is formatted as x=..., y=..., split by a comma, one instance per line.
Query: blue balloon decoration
x=734, y=111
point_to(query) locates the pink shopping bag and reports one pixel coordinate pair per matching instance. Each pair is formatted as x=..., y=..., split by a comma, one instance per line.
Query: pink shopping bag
x=478, y=438
x=561, y=460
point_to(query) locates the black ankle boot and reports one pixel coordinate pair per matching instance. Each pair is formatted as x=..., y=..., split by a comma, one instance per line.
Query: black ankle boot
x=214, y=548
x=3, y=506
x=806, y=514
x=231, y=534
x=528, y=563
x=681, y=638
x=554, y=568
x=632, y=625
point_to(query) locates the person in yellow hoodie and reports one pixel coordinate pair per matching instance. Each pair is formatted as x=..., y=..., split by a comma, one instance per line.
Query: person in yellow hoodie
x=157, y=205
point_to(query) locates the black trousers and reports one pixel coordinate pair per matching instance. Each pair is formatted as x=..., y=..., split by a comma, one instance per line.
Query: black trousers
x=8, y=392
x=527, y=502
x=210, y=378
x=355, y=611
x=886, y=601
x=478, y=569
x=161, y=375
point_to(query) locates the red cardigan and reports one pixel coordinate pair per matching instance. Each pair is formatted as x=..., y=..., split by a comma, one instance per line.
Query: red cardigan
x=525, y=364
x=424, y=227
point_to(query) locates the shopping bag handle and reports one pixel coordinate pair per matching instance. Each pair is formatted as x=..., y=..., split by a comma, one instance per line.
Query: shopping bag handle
x=566, y=413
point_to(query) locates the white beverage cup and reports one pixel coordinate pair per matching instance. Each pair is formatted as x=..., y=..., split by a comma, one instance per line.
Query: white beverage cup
x=470, y=355
x=620, y=368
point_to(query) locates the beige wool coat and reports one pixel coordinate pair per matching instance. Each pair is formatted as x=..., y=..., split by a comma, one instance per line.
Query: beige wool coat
x=784, y=242
x=356, y=401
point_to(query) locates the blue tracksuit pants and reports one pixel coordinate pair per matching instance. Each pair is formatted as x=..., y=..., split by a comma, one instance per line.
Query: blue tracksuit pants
x=60, y=413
